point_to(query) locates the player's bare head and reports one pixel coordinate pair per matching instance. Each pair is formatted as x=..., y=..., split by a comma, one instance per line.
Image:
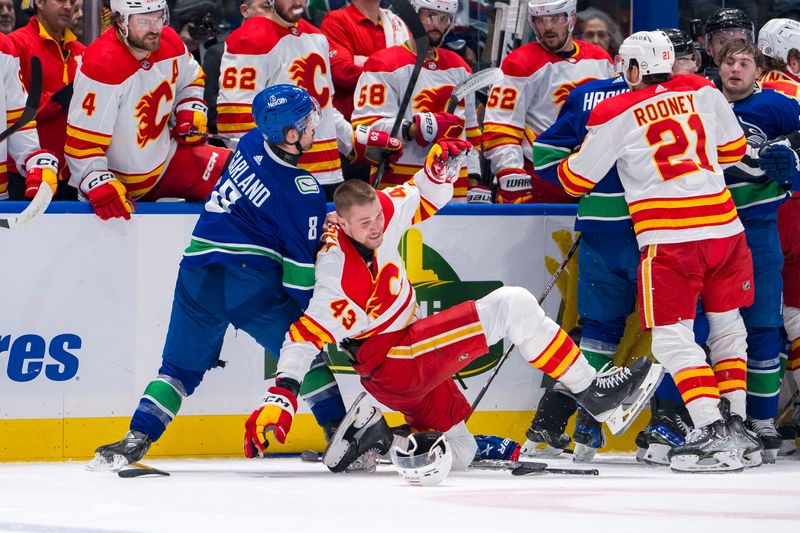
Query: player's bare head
x=741, y=64
x=139, y=22
x=360, y=212
x=287, y=12
x=438, y=17
x=553, y=22
x=254, y=8
x=55, y=15
x=646, y=58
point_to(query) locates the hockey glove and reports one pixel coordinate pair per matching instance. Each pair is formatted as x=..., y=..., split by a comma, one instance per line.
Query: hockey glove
x=780, y=163
x=514, y=187
x=434, y=126
x=479, y=194
x=275, y=415
x=41, y=166
x=496, y=448
x=445, y=160
x=369, y=145
x=191, y=118
x=108, y=195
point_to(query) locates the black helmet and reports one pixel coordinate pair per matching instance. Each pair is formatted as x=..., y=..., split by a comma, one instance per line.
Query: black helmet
x=730, y=19
x=680, y=41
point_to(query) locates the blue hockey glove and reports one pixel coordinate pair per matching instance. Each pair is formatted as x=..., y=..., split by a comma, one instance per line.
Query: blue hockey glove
x=780, y=163
x=498, y=448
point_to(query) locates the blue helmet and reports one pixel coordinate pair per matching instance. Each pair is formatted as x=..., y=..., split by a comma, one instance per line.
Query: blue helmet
x=281, y=107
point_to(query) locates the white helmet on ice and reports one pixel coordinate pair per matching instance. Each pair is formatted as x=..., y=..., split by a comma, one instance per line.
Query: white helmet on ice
x=426, y=461
x=777, y=38
x=126, y=8
x=541, y=8
x=652, y=50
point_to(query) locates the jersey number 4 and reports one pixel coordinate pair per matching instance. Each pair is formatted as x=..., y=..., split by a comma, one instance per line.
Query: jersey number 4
x=673, y=142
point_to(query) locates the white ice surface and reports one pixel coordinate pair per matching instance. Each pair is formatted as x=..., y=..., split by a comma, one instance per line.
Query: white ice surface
x=288, y=496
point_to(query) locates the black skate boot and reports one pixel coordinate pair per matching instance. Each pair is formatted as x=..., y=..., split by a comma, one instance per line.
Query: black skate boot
x=617, y=395
x=546, y=437
x=770, y=438
x=641, y=444
x=790, y=433
x=362, y=437
x=668, y=430
x=118, y=454
x=710, y=448
x=588, y=437
x=748, y=442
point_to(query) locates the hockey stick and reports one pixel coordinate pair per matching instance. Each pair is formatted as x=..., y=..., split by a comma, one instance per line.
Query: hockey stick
x=474, y=82
x=32, y=103
x=547, y=289
x=409, y=15
x=786, y=408
x=214, y=136
x=140, y=470
x=37, y=206
x=526, y=468
x=498, y=36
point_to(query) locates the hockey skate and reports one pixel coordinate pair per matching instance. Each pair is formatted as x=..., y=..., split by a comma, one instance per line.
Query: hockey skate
x=359, y=441
x=618, y=394
x=790, y=433
x=114, y=456
x=588, y=437
x=541, y=442
x=770, y=438
x=546, y=437
x=667, y=430
x=748, y=442
x=710, y=448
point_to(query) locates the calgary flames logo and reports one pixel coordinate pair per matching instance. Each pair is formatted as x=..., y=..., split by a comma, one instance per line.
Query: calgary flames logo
x=385, y=290
x=150, y=126
x=560, y=94
x=433, y=100
x=304, y=73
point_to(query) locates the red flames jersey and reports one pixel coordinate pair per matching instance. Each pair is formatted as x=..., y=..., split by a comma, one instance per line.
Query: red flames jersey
x=527, y=101
x=352, y=299
x=670, y=143
x=119, y=113
x=782, y=81
x=262, y=53
x=377, y=100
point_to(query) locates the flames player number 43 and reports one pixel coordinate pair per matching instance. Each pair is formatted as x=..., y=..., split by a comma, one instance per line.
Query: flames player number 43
x=341, y=308
x=244, y=79
x=374, y=94
x=502, y=97
x=672, y=140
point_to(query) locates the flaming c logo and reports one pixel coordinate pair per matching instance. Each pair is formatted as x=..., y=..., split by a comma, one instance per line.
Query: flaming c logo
x=560, y=94
x=304, y=73
x=433, y=100
x=150, y=126
x=385, y=290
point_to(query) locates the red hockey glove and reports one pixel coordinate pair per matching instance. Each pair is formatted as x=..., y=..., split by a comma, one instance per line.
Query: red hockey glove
x=514, y=187
x=191, y=115
x=369, y=145
x=41, y=166
x=445, y=160
x=434, y=126
x=479, y=194
x=108, y=195
x=275, y=415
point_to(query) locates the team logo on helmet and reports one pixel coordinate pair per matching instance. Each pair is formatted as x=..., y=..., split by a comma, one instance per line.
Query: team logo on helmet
x=150, y=125
x=303, y=72
x=433, y=100
x=560, y=94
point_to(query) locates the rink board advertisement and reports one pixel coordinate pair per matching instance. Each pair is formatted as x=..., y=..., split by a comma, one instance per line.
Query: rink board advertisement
x=87, y=304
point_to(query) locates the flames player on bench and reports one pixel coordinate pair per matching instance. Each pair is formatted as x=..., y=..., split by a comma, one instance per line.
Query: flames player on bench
x=364, y=299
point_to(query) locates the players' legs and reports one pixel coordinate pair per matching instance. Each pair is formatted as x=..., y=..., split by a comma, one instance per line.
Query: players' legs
x=191, y=174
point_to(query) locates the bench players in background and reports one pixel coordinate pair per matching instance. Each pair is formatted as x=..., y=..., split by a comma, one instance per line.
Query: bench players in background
x=381, y=87
x=281, y=47
x=364, y=299
x=133, y=79
x=692, y=241
x=250, y=264
x=538, y=78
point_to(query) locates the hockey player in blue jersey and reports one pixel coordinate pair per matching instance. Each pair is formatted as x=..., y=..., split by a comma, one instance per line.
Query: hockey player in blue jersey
x=608, y=260
x=250, y=264
x=764, y=115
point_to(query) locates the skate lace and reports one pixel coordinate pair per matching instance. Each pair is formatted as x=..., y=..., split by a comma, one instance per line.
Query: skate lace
x=764, y=427
x=613, y=377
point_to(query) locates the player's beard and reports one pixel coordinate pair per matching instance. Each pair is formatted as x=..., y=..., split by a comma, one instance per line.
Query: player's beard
x=148, y=43
x=436, y=38
x=291, y=14
x=550, y=37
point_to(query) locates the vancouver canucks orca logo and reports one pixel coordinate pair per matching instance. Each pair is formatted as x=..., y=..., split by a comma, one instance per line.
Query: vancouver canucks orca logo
x=754, y=135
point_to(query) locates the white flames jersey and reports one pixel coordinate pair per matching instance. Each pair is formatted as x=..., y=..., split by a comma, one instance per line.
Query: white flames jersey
x=670, y=143
x=25, y=141
x=527, y=101
x=352, y=299
x=782, y=81
x=262, y=53
x=377, y=101
x=120, y=110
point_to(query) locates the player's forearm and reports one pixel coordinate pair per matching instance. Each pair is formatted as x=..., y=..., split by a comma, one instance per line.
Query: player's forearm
x=295, y=360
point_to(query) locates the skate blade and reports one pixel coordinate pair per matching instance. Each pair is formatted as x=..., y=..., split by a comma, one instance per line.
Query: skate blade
x=539, y=449
x=719, y=462
x=101, y=464
x=337, y=446
x=583, y=453
x=769, y=456
x=657, y=455
x=624, y=415
x=640, y=454
x=752, y=459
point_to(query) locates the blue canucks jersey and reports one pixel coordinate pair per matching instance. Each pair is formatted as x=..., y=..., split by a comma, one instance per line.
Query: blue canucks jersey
x=262, y=210
x=604, y=210
x=764, y=115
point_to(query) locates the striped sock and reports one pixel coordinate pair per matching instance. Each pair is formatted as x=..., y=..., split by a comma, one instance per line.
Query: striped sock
x=158, y=406
x=700, y=393
x=563, y=361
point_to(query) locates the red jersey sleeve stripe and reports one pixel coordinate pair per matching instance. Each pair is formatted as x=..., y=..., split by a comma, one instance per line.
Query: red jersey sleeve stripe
x=573, y=183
